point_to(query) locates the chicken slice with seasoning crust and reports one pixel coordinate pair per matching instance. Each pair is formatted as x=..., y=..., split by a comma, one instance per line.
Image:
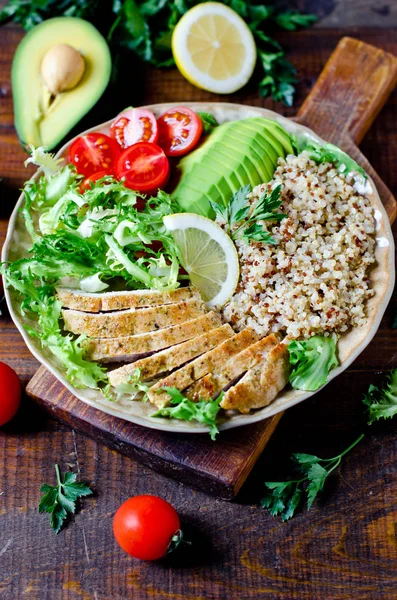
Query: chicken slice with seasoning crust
x=213, y=360
x=135, y=320
x=170, y=359
x=89, y=302
x=261, y=384
x=131, y=347
x=209, y=385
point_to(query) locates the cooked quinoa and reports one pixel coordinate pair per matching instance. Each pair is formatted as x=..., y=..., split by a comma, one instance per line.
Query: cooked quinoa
x=316, y=279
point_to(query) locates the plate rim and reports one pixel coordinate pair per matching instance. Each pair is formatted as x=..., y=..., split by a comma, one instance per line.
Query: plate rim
x=172, y=425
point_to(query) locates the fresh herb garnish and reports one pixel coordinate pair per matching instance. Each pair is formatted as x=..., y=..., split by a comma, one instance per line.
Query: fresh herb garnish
x=182, y=408
x=284, y=497
x=60, y=500
x=382, y=403
x=132, y=387
x=327, y=153
x=239, y=209
x=312, y=359
x=208, y=121
x=145, y=27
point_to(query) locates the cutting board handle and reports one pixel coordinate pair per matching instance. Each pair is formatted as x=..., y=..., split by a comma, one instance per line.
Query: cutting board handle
x=351, y=90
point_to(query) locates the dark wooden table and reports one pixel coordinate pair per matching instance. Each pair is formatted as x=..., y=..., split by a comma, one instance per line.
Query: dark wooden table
x=344, y=548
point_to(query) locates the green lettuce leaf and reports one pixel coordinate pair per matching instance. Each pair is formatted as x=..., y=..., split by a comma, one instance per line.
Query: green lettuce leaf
x=312, y=360
x=327, y=153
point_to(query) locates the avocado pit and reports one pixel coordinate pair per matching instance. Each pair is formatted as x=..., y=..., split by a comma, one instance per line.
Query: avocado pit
x=62, y=68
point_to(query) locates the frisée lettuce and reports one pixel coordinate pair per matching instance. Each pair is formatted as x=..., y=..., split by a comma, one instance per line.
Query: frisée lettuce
x=104, y=237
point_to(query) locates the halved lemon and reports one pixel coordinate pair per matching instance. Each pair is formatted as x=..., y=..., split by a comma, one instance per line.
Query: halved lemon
x=208, y=255
x=214, y=48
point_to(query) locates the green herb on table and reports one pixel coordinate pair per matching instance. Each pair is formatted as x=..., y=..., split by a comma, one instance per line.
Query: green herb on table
x=182, y=408
x=208, y=121
x=327, y=153
x=145, y=27
x=285, y=497
x=382, y=403
x=239, y=210
x=312, y=361
x=60, y=500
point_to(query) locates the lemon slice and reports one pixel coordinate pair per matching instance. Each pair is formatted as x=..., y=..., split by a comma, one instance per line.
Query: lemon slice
x=208, y=255
x=214, y=48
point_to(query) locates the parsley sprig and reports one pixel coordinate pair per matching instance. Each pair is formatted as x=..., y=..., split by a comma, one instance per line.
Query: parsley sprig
x=182, y=408
x=382, y=403
x=239, y=210
x=284, y=497
x=60, y=500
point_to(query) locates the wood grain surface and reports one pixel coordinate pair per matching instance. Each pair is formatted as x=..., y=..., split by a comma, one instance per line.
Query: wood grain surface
x=344, y=548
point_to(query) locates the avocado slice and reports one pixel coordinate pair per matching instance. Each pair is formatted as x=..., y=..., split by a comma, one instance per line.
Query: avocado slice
x=235, y=154
x=42, y=118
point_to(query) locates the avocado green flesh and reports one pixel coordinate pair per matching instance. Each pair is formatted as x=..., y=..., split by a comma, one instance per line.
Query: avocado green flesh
x=37, y=121
x=235, y=154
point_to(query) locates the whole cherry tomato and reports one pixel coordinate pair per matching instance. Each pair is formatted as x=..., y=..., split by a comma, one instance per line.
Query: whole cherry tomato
x=10, y=393
x=144, y=526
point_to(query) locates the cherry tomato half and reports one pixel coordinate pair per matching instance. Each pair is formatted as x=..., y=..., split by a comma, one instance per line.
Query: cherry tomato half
x=10, y=393
x=179, y=130
x=144, y=526
x=94, y=152
x=143, y=167
x=134, y=125
x=88, y=181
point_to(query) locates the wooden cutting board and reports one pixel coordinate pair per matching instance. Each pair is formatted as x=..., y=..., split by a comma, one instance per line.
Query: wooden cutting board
x=341, y=107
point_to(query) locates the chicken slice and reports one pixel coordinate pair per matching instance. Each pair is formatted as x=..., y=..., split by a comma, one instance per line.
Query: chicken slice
x=130, y=347
x=213, y=360
x=128, y=322
x=261, y=384
x=87, y=302
x=174, y=357
x=209, y=385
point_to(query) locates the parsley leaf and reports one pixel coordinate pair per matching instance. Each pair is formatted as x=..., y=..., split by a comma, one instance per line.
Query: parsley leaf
x=382, y=403
x=60, y=500
x=182, y=408
x=240, y=210
x=312, y=359
x=208, y=121
x=291, y=20
x=285, y=497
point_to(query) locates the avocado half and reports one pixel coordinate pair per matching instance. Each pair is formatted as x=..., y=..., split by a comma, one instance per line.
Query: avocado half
x=235, y=154
x=42, y=120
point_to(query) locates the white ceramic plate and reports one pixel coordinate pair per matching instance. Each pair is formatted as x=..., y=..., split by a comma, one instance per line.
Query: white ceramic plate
x=349, y=347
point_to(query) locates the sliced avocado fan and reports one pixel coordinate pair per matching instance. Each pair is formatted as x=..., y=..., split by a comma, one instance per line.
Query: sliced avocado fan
x=235, y=154
x=59, y=71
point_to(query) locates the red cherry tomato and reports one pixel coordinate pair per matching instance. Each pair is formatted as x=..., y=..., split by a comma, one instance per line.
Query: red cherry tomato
x=144, y=526
x=88, y=181
x=179, y=130
x=10, y=393
x=143, y=167
x=94, y=152
x=134, y=125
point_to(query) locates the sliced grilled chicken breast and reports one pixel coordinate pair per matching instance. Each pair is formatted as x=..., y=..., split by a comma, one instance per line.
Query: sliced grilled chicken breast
x=209, y=385
x=87, y=302
x=133, y=346
x=261, y=384
x=210, y=361
x=171, y=358
x=128, y=322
